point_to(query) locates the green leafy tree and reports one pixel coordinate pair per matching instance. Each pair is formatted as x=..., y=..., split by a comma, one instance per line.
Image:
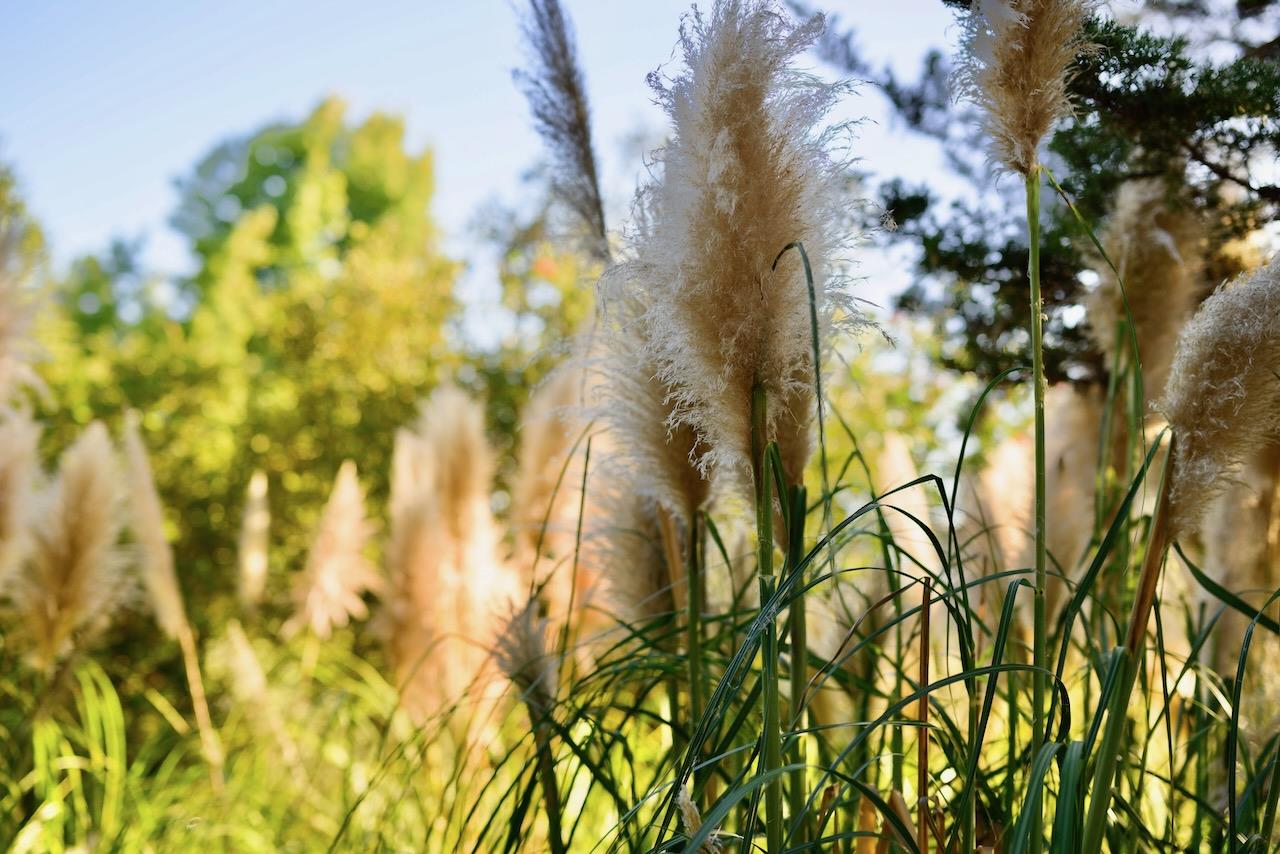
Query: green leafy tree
x=317, y=318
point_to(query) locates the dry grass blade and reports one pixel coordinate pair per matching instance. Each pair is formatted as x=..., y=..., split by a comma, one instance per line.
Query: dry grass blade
x=330, y=591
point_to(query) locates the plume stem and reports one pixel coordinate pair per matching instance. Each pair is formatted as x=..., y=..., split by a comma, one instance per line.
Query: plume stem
x=209, y=741
x=1131, y=659
x=694, y=626
x=799, y=655
x=1039, y=684
x=772, y=729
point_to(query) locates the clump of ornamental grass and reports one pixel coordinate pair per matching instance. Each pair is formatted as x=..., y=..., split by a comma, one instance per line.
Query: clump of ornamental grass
x=19, y=470
x=255, y=529
x=76, y=578
x=1015, y=66
x=749, y=170
x=735, y=326
x=1157, y=248
x=1222, y=400
x=557, y=98
x=330, y=591
x=447, y=587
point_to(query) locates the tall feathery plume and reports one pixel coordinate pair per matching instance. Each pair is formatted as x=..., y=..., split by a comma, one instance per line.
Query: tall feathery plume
x=558, y=100
x=161, y=582
x=329, y=592
x=627, y=539
x=656, y=454
x=19, y=469
x=994, y=514
x=76, y=578
x=255, y=528
x=1240, y=548
x=548, y=484
x=1157, y=248
x=549, y=506
x=447, y=585
x=1222, y=399
x=747, y=172
x=1074, y=416
x=522, y=649
x=147, y=522
x=1015, y=66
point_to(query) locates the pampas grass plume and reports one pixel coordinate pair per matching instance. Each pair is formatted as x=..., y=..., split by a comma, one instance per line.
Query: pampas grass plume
x=255, y=529
x=523, y=652
x=748, y=170
x=155, y=556
x=1015, y=65
x=447, y=585
x=1222, y=400
x=76, y=578
x=330, y=591
x=1157, y=248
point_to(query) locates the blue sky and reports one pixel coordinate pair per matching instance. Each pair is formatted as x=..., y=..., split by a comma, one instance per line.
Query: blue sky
x=102, y=105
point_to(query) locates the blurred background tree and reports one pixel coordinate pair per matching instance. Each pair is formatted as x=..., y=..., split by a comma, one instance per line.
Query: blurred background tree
x=318, y=315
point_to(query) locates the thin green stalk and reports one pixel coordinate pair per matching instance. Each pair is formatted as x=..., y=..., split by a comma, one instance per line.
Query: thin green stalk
x=1040, y=641
x=772, y=729
x=693, y=624
x=799, y=656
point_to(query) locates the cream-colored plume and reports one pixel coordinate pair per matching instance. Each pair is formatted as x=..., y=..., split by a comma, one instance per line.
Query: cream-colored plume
x=1015, y=65
x=547, y=491
x=1158, y=249
x=330, y=591
x=748, y=171
x=914, y=553
x=155, y=558
x=523, y=651
x=1241, y=548
x=255, y=529
x=993, y=516
x=1073, y=416
x=19, y=470
x=1223, y=396
x=448, y=589
x=627, y=541
x=75, y=579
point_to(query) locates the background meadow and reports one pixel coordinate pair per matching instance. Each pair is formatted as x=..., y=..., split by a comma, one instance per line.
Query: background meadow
x=858, y=434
